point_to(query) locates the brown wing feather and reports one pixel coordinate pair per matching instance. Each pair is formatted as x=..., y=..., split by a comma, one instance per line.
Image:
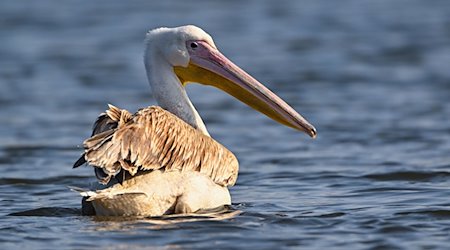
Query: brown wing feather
x=106, y=122
x=153, y=138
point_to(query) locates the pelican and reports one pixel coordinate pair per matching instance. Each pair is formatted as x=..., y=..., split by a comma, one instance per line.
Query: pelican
x=161, y=159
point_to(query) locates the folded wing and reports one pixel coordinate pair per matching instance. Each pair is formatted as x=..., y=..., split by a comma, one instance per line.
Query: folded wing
x=151, y=139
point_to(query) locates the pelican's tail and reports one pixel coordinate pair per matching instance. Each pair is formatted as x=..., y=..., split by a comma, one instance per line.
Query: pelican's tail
x=125, y=204
x=111, y=202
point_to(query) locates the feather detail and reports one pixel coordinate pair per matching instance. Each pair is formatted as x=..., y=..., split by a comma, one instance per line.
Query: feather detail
x=152, y=139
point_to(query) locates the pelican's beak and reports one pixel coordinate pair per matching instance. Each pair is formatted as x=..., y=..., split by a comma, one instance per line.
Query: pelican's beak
x=208, y=66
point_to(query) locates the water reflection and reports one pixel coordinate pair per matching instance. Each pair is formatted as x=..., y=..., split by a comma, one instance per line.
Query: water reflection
x=217, y=214
x=159, y=222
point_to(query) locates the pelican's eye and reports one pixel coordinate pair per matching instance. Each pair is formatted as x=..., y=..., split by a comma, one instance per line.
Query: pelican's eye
x=194, y=45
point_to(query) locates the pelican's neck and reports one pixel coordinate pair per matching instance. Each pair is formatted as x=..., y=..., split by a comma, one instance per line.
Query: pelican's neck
x=169, y=92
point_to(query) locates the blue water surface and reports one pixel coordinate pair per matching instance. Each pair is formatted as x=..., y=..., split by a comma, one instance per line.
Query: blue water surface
x=372, y=76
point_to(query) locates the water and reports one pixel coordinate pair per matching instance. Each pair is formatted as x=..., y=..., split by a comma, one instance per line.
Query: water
x=372, y=76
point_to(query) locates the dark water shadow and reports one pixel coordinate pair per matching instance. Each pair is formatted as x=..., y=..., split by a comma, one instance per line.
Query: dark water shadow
x=442, y=214
x=409, y=176
x=49, y=212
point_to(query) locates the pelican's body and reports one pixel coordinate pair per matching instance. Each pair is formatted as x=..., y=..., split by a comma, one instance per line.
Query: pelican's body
x=162, y=160
x=156, y=193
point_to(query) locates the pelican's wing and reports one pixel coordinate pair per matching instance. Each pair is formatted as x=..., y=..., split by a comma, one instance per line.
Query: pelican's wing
x=156, y=139
x=105, y=122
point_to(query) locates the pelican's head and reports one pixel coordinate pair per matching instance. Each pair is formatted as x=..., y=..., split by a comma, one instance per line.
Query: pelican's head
x=195, y=58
